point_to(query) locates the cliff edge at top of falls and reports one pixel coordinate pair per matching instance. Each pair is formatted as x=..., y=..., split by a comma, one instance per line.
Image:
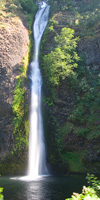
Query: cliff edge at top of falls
x=14, y=40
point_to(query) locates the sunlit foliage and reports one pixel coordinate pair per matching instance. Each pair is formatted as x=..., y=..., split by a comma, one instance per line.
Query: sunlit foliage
x=1, y=195
x=88, y=193
x=61, y=62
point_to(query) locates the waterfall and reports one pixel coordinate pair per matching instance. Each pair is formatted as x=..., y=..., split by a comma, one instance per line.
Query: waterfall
x=37, y=158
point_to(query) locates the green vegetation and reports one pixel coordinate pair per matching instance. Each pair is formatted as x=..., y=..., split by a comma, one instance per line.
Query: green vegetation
x=67, y=76
x=94, y=183
x=87, y=17
x=88, y=193
x=14, y=6
x=28, y=6
x=58, y=5
x=73, y=157
x=21, y=126
x=91, y=192
x=86, y=110
x=63, y=60
x=1, y=195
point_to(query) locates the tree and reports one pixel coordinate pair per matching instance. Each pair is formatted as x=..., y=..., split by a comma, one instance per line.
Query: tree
x=61, y=62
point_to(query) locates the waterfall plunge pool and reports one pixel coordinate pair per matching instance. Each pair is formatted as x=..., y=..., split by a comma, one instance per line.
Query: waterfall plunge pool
x=47, y=188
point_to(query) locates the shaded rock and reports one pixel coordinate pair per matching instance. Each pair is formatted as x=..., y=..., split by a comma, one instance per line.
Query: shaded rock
x=91, y=49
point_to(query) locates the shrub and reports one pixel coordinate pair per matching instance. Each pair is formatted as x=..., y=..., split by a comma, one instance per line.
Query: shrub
x=61, y=62
x=1, y=195
x=88, y=193
x=28, y=5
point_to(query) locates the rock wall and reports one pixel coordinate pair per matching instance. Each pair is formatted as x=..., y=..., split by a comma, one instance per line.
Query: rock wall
x=91, y=49
x=66, y=149
x=14, y=41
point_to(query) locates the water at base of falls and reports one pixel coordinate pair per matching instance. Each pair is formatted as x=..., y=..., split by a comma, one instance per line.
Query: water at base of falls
x=37, y=157
x=47, y=188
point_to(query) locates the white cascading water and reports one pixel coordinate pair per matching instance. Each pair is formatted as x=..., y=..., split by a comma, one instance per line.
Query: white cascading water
x=37, y=158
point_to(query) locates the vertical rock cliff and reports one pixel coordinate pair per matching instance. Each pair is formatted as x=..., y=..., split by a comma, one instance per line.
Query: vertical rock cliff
x=14, y=42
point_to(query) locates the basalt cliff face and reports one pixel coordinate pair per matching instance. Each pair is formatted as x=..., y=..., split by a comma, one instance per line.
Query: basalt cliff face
x=73, y=119
x=14, y=40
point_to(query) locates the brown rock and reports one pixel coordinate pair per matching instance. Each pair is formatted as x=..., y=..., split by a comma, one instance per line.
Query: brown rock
x=13, y=47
